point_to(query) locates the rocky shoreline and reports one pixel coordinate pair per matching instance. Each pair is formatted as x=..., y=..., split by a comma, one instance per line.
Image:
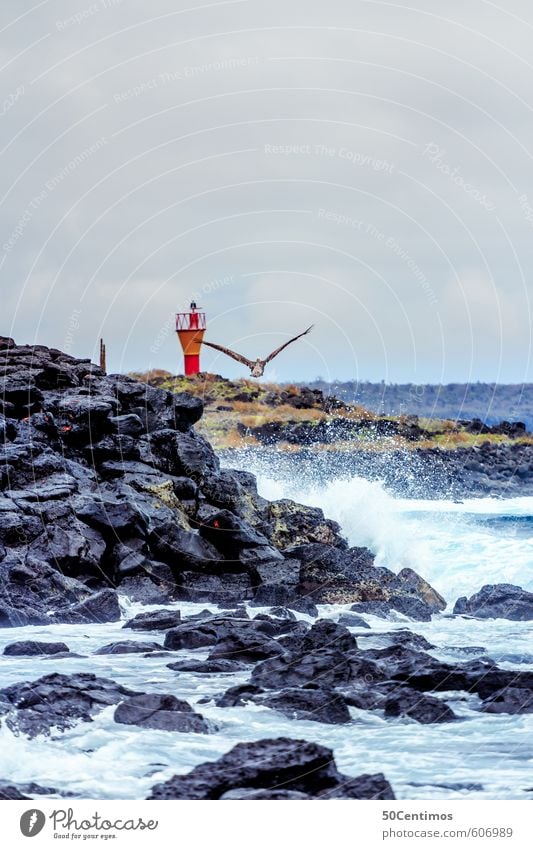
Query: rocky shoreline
x=108, y=493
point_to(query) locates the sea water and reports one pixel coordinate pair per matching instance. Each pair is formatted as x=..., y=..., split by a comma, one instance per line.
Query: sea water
x=458, y=547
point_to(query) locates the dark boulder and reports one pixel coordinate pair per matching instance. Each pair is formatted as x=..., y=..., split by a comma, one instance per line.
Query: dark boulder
x=291, y=524
x=325, y=634
x=422, y=708
x=233, y=537
x=29, y=589
x=182, y=548
x=509, y=700
x=193, y=636
x=350, y=620
x=115, y=519
x=161, y=712
x=27, y=648
x=11, y=794
x=235, y=491
x=275, y=582
x=498, y=601
x=324, y=667
x=244, y=645
x=208, y=667
x=57, y=701
x=222, y=587
x=238, y=696
x=331, y=576
x=100, y=607
x=155, y=620
x=186, y=410
x=293, y=765
x=187, y=454
x=317, y=705
x=128, y=424
x=129, y=647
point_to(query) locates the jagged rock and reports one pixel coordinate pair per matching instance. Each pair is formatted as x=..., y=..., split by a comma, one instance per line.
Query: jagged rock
x=282, y=613
x=276, y=582
x=155, y=620
x=27, y=648
x=186, y=410
x=350, y=620
x=325, y=634
x=129, y=424
x=191, y=636
x=29, y=589
x=408, y=583
x=425, y=673
x=317, y=705
x=129, y=647
x=241, y=644
x=145, y=591
x=236, y=539
x=293, y=524
x=186, y=454
x=238, y=696
x=57, y=701
x=328, y=666
x=11, y=794
x=224, y=631
x=112, y=518
x=235, y=491
x=208, y=667
x=222, y=588
x=329, y=575
x=424, y=709
x=498, y=601
x=102, y=606
x=509, y=700
x=162, y=712
x=182, y=548
x=295, y=765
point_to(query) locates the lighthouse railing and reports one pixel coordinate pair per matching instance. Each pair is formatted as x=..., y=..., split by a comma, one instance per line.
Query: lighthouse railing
x=190, y=321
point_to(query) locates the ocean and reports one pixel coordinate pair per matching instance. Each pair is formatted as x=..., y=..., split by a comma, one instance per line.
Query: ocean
x=457, y=547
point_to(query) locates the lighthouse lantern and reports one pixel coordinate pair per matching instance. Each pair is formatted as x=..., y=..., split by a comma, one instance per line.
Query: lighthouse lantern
x=191, y=327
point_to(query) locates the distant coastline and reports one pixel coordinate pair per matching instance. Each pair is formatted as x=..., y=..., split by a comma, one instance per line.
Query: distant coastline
x=490, y=402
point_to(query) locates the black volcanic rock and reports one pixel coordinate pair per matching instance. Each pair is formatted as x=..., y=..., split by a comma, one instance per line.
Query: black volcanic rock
x=509, y=700
x=104, y=480
x=29, y=589
x=57, y=701
x=29, y=648
x=423, y=708
x=102, y=606
x=155, y=620
x=498, y=601
x=317, y=705
x=271, y=765
x=161, y=712
x=129, y=647
x=11, y=794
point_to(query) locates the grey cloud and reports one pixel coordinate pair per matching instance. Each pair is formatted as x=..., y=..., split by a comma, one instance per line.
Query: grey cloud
x=286, y=146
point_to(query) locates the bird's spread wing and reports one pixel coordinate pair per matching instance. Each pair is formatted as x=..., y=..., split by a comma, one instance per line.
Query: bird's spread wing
x=282, y=347
x=230, y=353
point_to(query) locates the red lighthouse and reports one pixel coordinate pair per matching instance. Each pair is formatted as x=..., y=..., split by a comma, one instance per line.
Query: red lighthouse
x=191, y=327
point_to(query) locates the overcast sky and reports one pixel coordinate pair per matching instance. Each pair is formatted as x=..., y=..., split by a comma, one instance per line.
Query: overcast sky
x=363, y=166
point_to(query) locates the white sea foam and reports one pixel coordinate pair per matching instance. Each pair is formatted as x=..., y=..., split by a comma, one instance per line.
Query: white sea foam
x=457, y=547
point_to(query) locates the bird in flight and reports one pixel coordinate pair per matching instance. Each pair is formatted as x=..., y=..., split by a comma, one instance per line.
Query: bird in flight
x=257, y=367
